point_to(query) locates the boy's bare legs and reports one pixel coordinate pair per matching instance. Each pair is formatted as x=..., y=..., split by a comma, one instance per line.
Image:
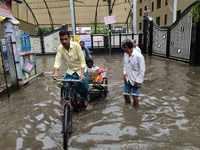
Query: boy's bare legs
x=127, y=99
x=135, y=100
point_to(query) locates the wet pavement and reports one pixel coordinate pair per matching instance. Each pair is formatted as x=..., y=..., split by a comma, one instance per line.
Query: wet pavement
x=167, y=118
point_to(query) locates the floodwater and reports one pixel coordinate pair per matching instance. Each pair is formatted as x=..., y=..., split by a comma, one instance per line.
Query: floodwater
x=167, y=118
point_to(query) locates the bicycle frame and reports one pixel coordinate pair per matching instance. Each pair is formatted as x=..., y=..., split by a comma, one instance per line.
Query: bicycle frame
x=67, y=108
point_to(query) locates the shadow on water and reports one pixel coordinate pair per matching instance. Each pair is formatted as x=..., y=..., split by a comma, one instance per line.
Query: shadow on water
x=168, y=115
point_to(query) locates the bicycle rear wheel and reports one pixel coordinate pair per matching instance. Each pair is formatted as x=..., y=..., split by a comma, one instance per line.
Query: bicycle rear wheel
x=66, y=126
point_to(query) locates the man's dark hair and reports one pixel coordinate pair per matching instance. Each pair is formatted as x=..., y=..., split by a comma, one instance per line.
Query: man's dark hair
x=127, y=43
x=64, y=32
x=82, y=42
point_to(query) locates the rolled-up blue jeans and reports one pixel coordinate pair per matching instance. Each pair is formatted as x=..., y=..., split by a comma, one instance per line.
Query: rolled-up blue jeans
x=81, y=88
x=128, y=87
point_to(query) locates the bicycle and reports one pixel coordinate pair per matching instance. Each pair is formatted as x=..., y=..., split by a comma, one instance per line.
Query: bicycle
x=70, y=98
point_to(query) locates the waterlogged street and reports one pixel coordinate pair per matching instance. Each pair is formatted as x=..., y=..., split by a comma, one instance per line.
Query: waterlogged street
x=167, y=118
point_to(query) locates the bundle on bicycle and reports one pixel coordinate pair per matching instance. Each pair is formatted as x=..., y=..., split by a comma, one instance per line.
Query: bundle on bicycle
x=98, y=82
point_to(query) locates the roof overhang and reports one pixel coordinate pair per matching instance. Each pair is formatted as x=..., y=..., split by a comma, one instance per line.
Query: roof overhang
x=53, y=13
x=18, y=1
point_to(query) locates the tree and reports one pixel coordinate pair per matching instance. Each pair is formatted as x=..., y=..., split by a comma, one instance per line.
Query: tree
x=99, y=30
x=195, y=13
x=43, y=31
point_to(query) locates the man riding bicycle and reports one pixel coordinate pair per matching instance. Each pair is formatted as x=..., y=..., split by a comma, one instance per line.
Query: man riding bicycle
x=77, y=69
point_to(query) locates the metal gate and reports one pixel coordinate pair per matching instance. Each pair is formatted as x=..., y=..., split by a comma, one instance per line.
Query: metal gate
x=8, y=73
x=169, y=41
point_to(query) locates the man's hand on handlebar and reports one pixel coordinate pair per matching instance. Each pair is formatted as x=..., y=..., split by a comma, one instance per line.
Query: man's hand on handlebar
x=55, y=76
x=82, y=77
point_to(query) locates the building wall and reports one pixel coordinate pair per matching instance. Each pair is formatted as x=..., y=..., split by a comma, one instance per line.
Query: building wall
x=28, y=27
x=160, y=12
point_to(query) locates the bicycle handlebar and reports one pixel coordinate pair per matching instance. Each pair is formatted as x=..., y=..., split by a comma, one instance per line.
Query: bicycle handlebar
x=69, y=80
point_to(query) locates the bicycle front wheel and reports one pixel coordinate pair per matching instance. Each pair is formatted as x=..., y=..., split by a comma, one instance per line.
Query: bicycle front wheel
x=66, y=126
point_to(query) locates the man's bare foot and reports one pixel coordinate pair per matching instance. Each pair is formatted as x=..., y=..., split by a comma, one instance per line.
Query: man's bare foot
x=87, y=105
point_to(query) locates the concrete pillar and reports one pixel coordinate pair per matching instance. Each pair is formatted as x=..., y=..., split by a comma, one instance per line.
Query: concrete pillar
x=134, y=10
x=175, y=11
x=72, y=17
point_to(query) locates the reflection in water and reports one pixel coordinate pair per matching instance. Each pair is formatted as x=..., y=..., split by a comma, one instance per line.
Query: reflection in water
x=168, y=115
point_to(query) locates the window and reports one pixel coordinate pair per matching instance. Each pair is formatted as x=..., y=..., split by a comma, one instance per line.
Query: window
x=152, y=7
x=158, y=4
x=178, y=14
x=158, y=20
x=140, y=26
x=140, y=11
x=166, y=3
x=165, y=19
x=145, y=7
x=140, y=1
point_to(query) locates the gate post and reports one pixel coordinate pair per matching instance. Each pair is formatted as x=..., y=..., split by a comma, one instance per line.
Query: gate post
x=92, y=41
x=145, y=26
x=120, y=39
x=106, y=43
x=42, y=44
x=168, y=43
x=195, y=44
x=150, y=39
x=132, y=35
x=140, y=41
